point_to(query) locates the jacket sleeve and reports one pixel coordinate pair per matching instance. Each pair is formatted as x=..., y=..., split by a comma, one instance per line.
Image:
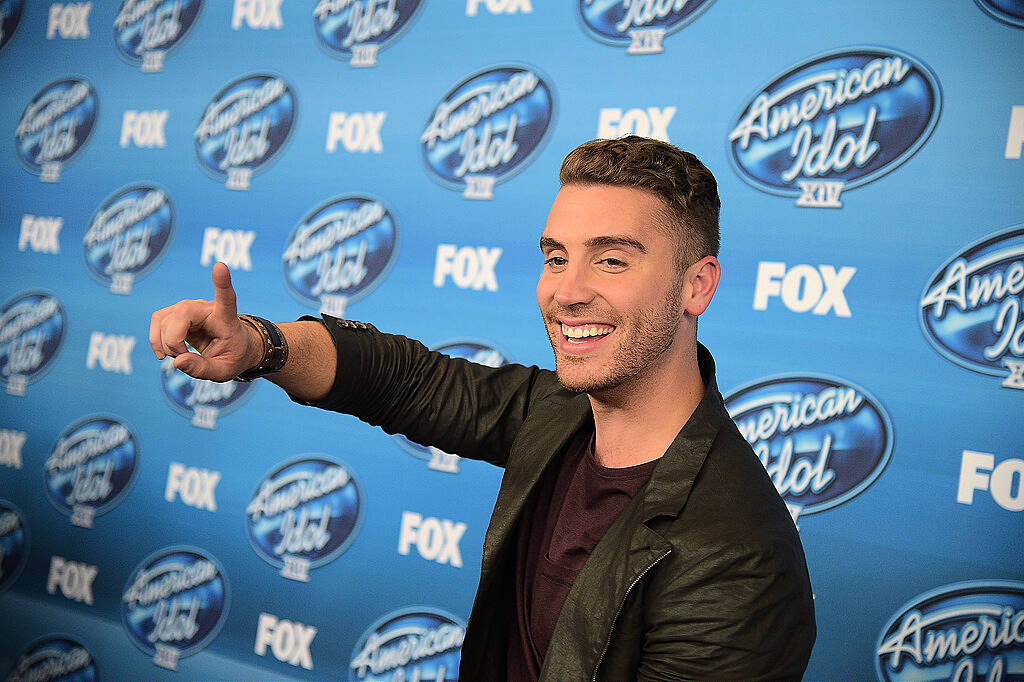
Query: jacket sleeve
x=461, y=407
x=736, y=612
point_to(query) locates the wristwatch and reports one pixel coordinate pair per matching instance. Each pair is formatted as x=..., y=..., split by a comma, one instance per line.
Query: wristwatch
x=275, y=349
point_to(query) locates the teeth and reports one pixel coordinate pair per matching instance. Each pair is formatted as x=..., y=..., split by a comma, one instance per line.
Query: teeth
x=586, y=330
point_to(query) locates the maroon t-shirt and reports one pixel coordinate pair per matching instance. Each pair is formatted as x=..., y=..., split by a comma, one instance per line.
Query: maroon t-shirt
x=573, y=505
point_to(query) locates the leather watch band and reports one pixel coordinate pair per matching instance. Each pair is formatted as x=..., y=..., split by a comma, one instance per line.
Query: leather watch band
x=275, y=349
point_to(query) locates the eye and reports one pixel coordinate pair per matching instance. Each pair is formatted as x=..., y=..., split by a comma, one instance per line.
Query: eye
x=610, y=263
x=555, y=262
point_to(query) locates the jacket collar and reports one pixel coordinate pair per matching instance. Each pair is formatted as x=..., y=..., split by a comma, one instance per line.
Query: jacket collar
x=675, y=472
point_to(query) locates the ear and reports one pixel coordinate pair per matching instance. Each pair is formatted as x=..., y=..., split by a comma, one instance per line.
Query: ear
x=699, y=284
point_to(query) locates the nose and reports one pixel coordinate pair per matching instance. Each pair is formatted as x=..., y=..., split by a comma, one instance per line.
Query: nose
x=573, y=286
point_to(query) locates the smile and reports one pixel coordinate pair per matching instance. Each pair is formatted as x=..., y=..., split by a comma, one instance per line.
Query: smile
x=586, y=332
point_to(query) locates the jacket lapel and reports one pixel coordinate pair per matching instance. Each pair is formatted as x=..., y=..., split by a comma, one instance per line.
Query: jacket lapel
x=544, y=435
x=537, y=442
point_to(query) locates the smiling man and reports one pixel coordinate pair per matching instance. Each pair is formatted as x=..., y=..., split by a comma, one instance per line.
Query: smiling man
x=635, y=534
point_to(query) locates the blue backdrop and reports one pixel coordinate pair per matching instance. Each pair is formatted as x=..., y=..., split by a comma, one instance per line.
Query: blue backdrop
x=393, y=161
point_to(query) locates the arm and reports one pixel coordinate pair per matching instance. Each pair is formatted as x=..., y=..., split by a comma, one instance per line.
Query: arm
x=385, y=380
x=737, y=612
x=456, y=405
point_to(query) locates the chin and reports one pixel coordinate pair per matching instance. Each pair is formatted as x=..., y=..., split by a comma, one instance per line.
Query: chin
x=573, y=384
x=576, y=378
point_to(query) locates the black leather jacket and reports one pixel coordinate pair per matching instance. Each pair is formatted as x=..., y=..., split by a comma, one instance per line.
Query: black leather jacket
x=702, y=576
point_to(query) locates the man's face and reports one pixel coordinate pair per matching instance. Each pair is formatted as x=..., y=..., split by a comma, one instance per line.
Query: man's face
x=610, y=290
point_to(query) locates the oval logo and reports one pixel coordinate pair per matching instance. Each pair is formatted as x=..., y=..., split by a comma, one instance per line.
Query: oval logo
x=55, y=658
x=244, y=127
x=201, y=400
x=10, y=15
x=1007, y=11
x=488, y=128
x=13, y=544
x=835, y=122
x=304, y=514
x=640, y=25
x=174, y=603
x=340, y=252
x=965, y=631
x=91, y=468
x=127, y=236
x=972, y=310
x=32, y=328
x=474, y=351
x=823, y=440
x=145, y=31
x=358, y=29
x=419, y=643
x=55, y=126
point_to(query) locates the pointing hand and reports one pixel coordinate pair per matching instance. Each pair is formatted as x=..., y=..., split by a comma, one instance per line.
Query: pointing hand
x=227, y=346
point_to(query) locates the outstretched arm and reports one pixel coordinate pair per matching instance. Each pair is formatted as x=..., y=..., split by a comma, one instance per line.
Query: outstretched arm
x=387, y=380
x=227, y=346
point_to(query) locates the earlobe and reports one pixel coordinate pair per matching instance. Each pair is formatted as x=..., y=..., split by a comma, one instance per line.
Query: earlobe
x=701, y=282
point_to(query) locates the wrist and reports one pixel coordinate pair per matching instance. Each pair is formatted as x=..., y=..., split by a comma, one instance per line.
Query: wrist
x=273, y=345
x=255, y=346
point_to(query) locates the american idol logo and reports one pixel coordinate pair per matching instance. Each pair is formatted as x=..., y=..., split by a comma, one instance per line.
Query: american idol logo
x=972, y=309
x=412, y=644
x=91, y=468
x=822, y=440
x=127, y=236
x=244, y=127
x=174, y=603
x=640, y=24
x=1007, y=11
x=146, y=30
x=962, y=632
x=32, y=328
x=488, y=128
x=201, y=400
x=13, y=544
x=55, y=126
x=358, y=29
x=10, y=15
x=340, y=252
x=304, y=514
x=837, y=121
x=481, y=354
x=55, y=658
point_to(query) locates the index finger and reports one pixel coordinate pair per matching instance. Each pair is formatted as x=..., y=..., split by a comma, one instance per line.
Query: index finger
x=154, y=333
x=224, y=304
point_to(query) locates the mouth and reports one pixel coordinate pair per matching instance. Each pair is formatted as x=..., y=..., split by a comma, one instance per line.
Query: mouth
x=588, y=333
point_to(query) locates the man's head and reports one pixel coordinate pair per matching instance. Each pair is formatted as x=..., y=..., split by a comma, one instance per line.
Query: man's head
x=623, y=281
x=687, y=189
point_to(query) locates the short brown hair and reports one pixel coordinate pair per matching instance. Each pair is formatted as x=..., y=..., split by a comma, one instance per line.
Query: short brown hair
x=678, y=178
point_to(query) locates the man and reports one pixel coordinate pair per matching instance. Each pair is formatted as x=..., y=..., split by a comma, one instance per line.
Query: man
x=635, y=534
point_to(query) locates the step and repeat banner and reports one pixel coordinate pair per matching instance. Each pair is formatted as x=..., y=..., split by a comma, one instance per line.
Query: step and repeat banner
x=393, y=161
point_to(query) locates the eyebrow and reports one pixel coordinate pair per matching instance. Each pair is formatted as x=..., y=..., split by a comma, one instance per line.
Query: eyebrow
x=597, y=242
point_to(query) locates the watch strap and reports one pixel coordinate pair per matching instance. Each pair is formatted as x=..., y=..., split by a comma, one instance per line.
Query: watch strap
x=275, y=349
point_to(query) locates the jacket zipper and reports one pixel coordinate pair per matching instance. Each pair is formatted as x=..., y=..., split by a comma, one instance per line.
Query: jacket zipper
x=619, y=610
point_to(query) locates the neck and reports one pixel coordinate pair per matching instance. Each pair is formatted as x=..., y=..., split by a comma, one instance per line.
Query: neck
x=636, y=422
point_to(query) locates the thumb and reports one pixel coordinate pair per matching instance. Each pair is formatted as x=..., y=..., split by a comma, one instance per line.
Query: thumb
x=224, y=304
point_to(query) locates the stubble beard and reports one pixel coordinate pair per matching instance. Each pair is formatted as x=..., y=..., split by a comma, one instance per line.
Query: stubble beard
x=643, y=342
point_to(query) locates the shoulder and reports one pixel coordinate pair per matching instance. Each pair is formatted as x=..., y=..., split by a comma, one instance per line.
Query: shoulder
x=734, y=491
x=732, y=508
